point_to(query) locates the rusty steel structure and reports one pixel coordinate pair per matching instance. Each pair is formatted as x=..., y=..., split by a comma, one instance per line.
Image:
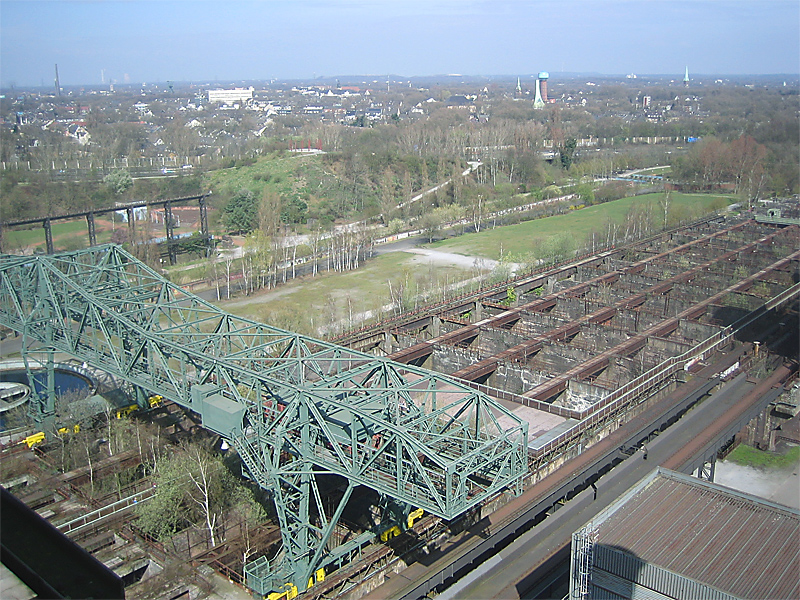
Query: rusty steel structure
x=129, y=210
x=582, y=348
x=586, y=341
x=569, y=341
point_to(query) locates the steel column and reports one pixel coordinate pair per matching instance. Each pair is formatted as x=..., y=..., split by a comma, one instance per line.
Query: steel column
x=48, y=236
x=169, y=224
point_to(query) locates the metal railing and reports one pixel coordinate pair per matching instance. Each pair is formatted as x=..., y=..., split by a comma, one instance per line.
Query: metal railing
x=105, y=512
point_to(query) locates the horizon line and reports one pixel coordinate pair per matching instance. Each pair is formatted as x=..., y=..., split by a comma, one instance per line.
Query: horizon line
x=382, y=78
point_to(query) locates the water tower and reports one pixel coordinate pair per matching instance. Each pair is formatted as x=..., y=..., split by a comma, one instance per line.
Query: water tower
x=543, y=77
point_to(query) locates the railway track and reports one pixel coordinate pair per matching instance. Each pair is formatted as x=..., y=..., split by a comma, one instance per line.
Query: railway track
x=445, y=562
x=351, y=337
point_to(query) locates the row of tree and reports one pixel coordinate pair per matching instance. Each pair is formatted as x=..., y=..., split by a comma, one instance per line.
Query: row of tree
x=742, y=163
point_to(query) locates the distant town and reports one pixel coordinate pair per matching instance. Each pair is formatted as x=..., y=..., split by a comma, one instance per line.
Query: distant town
x=386, y=337
x=222, y=119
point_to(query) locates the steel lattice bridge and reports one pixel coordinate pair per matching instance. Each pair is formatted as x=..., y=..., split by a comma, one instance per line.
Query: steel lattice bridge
x=294, y=407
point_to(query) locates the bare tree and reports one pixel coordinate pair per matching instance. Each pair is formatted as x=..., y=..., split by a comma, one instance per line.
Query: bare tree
x=228, y=262
x=201, y=476
x=664, y=203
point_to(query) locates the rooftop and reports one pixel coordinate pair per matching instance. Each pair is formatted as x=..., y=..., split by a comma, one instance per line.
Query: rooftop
x=735, y=542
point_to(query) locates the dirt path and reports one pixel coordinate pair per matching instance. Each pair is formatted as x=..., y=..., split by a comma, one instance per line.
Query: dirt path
x=427, y=256
x=419, y=256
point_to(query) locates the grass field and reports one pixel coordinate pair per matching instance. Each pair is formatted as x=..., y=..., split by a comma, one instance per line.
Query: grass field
x=275, y=172
x=67, y=235
x=290, y=176
x=522, y=239
x=329, y=298
x=752, y=457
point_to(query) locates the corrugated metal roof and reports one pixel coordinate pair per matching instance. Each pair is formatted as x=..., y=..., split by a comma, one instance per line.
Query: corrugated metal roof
x=731, y=541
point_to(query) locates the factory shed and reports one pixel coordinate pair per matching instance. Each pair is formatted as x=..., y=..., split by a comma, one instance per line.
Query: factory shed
x=675, y=536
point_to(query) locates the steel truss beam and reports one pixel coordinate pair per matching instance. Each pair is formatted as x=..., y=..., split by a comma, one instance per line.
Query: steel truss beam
x=294, y=407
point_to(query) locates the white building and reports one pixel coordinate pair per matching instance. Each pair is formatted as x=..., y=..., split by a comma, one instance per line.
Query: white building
x=234, y=96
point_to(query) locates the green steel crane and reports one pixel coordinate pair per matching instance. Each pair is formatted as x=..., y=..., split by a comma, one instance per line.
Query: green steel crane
x=294, y=408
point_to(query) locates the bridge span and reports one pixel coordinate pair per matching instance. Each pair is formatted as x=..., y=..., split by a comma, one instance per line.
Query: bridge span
x=295, y=408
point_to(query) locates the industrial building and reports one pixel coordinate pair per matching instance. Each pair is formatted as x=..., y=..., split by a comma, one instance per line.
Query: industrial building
x=231, y=97
x=676, y=536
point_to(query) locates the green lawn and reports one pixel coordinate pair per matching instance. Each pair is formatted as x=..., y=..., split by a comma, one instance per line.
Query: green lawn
x=752, y=457
x=523, y=239
x=305, y=304
x=288, y=175
x=252, y=177
x=65, y=235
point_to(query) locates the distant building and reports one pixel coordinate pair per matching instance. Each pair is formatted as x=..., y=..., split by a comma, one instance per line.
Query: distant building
x=139, y=214
x=458, y=101
x=78, y=132
x=543, y=77
x=540, y=98
x=537, y=99
x=234, y=96
x=675, y=536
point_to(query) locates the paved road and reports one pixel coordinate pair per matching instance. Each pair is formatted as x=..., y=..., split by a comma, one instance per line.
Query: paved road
x=10, y=346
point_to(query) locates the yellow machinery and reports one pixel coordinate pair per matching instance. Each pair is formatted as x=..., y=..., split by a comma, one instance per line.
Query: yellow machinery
x=290, y=590
x=33, y=439
x=126, y=411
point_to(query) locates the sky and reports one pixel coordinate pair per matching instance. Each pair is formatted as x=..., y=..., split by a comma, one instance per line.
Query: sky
x=155, y=41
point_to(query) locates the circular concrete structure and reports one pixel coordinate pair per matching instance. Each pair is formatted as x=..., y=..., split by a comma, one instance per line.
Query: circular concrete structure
x=16, y=390
x=13, y=395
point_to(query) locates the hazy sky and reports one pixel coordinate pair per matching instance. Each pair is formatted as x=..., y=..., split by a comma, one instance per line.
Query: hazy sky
x=178, y=40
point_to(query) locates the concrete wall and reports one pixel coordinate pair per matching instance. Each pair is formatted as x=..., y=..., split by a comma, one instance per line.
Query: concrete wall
x=558, y=358
x=696, y=332
x=538, y=323
x=516, y=378
x=448, y=359
x=581, y=395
